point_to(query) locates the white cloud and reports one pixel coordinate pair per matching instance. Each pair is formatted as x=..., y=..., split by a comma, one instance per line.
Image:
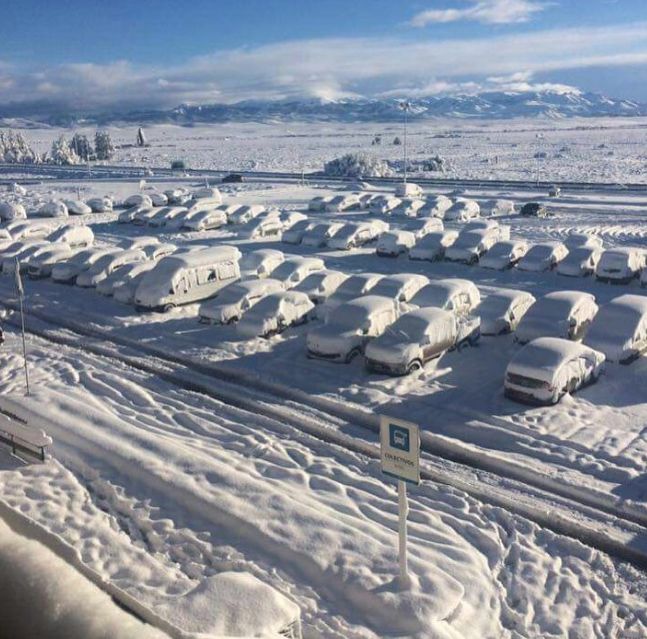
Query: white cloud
x=331, y=68
x=486, y=11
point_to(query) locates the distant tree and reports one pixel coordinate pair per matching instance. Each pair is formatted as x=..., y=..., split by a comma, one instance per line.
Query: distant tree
x=62, y=153
x=82, y=146
x=14, y=149
x=141, y=138
x=357, y=165
x=397, y=141
x=103, y=147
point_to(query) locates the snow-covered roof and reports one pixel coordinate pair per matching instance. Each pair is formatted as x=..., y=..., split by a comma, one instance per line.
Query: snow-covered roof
x=210, y=255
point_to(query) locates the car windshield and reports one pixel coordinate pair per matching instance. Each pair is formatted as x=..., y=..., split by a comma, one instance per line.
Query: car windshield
x=301, y=225
x=432, y=296
x=494, y=305
x=467, y=240
x=387, y=288
x=407, y=328
x=251, y=261
x=613, y=260
x=81, y=258
x=348, y=317
x=354, y=285
x=313, y=281
x=501, y=249
x=539, y=252
x=346, y=231
x=577, y=255
x=284, y=270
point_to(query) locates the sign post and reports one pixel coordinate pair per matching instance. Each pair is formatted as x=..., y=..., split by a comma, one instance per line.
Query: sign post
x=400, y=453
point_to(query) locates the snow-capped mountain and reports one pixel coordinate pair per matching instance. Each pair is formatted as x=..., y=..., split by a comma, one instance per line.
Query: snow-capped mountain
x=486, y=105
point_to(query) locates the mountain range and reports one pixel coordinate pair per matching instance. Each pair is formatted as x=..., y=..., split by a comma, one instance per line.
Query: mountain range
x=487, y=105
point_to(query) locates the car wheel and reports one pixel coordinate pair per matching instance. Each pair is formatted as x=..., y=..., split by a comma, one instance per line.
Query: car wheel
x=352, y=355
x=168, y=307
x=232, y=320
x=572, y=386
x=415, y=366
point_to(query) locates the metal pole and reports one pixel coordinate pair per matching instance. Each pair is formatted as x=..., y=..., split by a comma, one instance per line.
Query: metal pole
x=406, y=108
x=403, y=507
x=24, y=344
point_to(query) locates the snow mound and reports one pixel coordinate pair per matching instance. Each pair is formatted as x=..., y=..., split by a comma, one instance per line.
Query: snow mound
x=357, y=165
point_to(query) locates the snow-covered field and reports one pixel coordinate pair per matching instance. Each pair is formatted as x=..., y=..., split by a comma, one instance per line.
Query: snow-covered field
x=158, y=490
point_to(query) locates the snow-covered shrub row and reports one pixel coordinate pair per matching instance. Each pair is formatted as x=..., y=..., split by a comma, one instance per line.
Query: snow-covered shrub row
x=357, y=165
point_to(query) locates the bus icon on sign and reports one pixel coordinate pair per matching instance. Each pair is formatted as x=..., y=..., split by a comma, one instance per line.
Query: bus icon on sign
x=399, y=437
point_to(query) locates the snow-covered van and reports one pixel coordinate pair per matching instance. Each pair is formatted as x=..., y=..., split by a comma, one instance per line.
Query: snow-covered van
x=188, y=277
x=620, y=265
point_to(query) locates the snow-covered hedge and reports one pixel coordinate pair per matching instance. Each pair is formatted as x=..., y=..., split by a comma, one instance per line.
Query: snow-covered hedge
x=357, y=165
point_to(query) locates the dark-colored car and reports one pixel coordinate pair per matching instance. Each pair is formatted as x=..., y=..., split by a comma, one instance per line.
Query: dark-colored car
x=233, y=177
x=533, y=209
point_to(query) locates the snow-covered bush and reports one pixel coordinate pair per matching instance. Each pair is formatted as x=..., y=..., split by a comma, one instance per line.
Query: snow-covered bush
x=357, y=165
x=103, y=146
x=14, y=149
x=62, y=153
x=435, y=163
x=397, y=141
x=82, y=146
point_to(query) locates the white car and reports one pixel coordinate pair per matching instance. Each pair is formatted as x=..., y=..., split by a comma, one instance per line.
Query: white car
x=290, y=218
x=408, y=207
x=100, y=204
x=564, y=314
x=274, y=313
x=350, y=327
x=619, y=330
x=246, y=213
x=470, y=245
x=21, y=254
x=620, y=265
x=25, y=230
x=145, y=215
x=77, y=207
x=294, y=235
x=424, y=225
x=408, y=189
x=318, y=203
x=158, y=251
x=497, y=207
x=583, y=240
x=159, y=199
x=127, y=216
x=66, y=272
x=320, y=234
x=580, y=262
x=141, y=242
x=236, y=299
x=166, y=220
x=354, y=286
x=205, y=221
x=411, y=341
x=501, y=311
x=129, y=280
x=384, y=205
x=260, y=263
x=105, y=265
x=321, y=285
x=435, y=206
x=454, y=294
x=400, y=287
x=504, y=254
x=543, y=257
x=41, y=263
x=341, y=203
x=394, y=243
x=178, y=195
x=432, y=247
x=137, y=199
x=266, y=225
x=502, y=230
x=54, y=208
x=295, y=269
x=77, y=236
x=121, y=276
x=462, y=211
x=547, y=368
x=356, y=234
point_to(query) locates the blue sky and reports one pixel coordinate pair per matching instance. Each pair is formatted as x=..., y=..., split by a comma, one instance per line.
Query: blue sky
x=161, y=53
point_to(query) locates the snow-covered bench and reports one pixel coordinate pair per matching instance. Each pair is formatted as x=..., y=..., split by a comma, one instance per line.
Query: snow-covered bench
x=23, y=438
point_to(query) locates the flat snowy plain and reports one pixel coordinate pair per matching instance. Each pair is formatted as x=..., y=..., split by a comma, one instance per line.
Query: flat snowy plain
x=158, y=488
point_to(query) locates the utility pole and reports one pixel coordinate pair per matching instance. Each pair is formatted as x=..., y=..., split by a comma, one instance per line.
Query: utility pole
x=405, y=105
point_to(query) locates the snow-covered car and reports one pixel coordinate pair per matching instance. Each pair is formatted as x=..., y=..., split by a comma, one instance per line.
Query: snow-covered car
x=246, y=213
x=77, y=236
x=178, y=195
x=355, y=234
x=462, y=211
x=158, y=251
x=127, y=216
x=142, y=242
x=394, y=243
x=501, y=311
x=354, y=286
x=435, y=206
x=643, y=277
x=412, y=340
x=471, y=244
x=106, y=265
x=121, y=276
x=295, y=269
x=42, y=262
x=349, y=327
x=274, y=313
x=454, y=294
x=142, y=217
x=547, y=368
x=400, y=287
x=205, y=221
x=266, y=225
x=580, y=262
x=497, y=207
x=77, y=207
x=10, y=211
x=620, y=265
x=100, y=204
x=533, y=209
x=159, y=199
x=137, y=199
x=564, y=314
x=384, y=205
x=504, y=254
x=432, y=247
x=204, y=200
x=365, y=200
x=21, y=255
x=424, y=225
x=408, y=207
x=5, y=239
x=237, y=298
x=318, y=203
x=295, y=233
x=29, y=229
x=290, y=218
x=66, y=272
x=260, y=263
x=543, y=257
x=619, y=330
x=408, y=189
x=165, y=220
x=321, y=285
x=130, y=277
x=583, y=240
x=53, y=208
x=341, y=203
x=502, y=230
x=320, y=234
